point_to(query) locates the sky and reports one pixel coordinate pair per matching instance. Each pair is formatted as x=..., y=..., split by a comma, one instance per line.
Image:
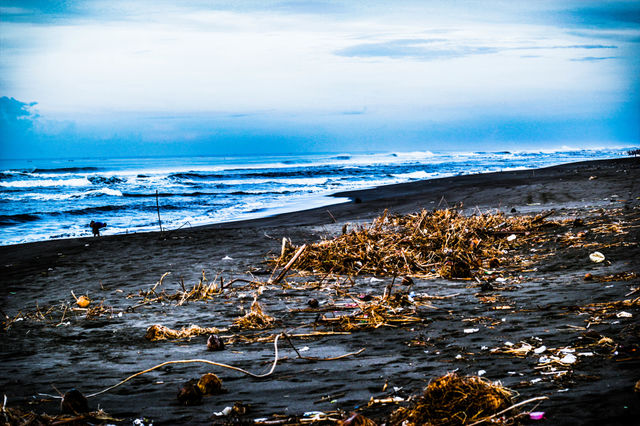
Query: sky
x=114, y=78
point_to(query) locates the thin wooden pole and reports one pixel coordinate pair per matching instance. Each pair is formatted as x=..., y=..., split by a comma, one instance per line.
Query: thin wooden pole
x=158, y=208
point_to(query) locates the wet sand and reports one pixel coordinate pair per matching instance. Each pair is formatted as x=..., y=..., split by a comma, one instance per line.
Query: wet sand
x=539, y=306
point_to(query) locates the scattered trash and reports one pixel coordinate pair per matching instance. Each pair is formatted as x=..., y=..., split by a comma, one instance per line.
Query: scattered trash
x=596, y=257
x=568, y=359
x=512, y=237
x=482, y=373
x=356, y=419
x=225, y=412
x=540, y=350
x=623, y=314
x=227, y=258
x=471, y=330
x=536, y=415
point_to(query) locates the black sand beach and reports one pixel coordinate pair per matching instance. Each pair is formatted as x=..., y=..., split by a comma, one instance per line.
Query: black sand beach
x=46, y=343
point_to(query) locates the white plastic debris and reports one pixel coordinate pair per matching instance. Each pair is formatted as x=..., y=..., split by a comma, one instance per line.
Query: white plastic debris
x=543, y=360
x=227, y=258
x=471, y=330
x=225, y=412
x=539, y=350
x=535, y=380
x=511, y=237
x=585, y=354
x=482, y=372
x=596, y=257
x=303, y=349
x=623, y=314
x=568, y=359
x=375, y=280
x=458, y=356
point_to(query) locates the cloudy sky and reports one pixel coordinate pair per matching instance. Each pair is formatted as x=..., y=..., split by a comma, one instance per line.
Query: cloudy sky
x=237, y=77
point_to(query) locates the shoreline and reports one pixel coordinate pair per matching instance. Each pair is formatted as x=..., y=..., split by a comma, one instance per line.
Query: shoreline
x=91, y=354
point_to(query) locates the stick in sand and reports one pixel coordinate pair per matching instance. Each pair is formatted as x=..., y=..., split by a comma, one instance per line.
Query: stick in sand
x=289, y=265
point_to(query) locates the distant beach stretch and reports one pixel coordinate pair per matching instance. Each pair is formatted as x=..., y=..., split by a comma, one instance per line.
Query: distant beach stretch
x=45, y=199
x=518, y=289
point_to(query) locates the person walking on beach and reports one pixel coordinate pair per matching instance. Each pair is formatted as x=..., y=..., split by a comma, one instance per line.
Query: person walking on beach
x=95, y=227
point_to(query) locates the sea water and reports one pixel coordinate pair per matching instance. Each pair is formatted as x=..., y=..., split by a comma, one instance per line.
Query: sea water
x=45, y=199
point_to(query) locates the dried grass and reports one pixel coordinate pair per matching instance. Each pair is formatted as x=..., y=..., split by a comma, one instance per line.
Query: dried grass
x=454, y=400
x=443, y=240
x=387, y=310
x=159, y=332
x=255, y=319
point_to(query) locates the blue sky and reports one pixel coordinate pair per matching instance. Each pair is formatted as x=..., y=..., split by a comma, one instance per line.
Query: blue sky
x=120, y=78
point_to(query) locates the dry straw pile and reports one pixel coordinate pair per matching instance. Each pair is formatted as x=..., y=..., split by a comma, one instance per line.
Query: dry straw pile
x=417, y=244
x=454, y=400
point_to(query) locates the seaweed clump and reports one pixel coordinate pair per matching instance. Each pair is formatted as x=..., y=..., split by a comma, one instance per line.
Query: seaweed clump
x=442, y=241
x=454, y=400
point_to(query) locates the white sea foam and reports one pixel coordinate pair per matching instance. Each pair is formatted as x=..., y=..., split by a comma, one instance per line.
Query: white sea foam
x=45, y=183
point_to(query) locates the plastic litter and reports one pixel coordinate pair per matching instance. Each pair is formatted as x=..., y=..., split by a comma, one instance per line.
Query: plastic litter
x=471, y=330
x=596, y=257
x=511, y=237
x=225, y=412
x=568, y=359
x=539, y=350
x=536, y=415
x=623, y=314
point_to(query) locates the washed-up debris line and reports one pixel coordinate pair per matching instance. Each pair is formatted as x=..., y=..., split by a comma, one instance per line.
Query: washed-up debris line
x=454, y=400
x=160, y=332
x=443, y=242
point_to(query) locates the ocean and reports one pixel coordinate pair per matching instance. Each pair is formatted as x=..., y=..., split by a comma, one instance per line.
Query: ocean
x=46, y=199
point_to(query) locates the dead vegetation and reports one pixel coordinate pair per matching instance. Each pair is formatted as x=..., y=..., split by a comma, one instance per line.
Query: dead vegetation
x=159, y=332
x=443, y=242
x=454, y=400
x=255, y=319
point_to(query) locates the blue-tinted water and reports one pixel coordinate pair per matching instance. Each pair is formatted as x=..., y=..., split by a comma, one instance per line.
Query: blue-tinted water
x=43, y=199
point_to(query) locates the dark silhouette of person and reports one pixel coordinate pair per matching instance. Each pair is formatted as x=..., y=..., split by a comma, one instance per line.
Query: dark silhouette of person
x=95, y=227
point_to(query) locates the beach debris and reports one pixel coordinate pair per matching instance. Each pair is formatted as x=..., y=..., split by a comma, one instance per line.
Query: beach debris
x=596, y=257
x=74, y=402
x=536, y=415
x=15, y=416
x=189, y=393
x=255, y=319
x=210, y=384
x=606, y=310
x=82, y=301
x=386, y=310
x=452, y=399
x=215, y=343
x=356, y=419
x=160, y=332
x=443, y=241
